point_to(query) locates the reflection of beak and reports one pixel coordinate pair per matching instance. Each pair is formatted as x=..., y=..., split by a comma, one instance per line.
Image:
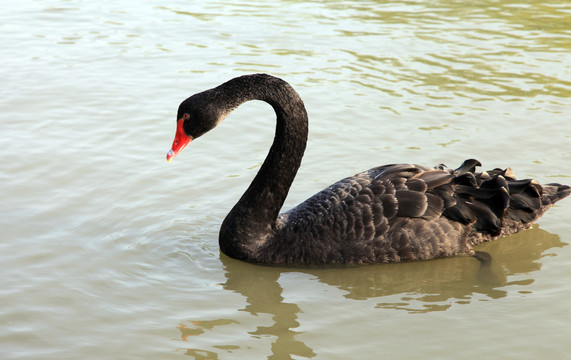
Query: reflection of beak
x=180, y=141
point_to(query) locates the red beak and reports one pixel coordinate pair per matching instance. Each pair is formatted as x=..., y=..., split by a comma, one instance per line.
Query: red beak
x=180, y=140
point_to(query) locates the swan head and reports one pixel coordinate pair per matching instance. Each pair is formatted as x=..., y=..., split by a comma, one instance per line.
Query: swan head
x=196, y=116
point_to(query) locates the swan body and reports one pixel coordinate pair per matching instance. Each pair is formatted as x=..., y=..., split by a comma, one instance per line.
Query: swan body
x=391, y=213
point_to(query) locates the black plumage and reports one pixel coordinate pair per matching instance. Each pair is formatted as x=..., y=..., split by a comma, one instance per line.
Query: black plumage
x=391, y=213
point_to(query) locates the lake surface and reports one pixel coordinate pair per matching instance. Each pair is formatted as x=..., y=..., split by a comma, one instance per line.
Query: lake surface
x=109, y=252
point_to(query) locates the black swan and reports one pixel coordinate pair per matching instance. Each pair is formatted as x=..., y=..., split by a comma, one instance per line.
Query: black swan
x=390, y=213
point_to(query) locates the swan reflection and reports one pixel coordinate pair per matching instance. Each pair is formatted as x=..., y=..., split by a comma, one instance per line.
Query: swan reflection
x=417, y=287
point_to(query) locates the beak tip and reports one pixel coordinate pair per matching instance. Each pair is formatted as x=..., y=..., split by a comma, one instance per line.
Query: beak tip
x=170, y=155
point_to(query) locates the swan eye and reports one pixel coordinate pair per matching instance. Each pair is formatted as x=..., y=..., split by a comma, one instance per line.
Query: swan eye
x=185, y=116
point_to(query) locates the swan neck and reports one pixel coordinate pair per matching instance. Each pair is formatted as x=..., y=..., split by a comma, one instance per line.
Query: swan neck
x=253, y=220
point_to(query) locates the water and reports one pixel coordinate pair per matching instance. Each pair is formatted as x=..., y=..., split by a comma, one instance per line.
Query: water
x=109, y=252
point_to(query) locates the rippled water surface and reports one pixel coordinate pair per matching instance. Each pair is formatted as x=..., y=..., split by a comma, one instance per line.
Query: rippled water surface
x=108, y=252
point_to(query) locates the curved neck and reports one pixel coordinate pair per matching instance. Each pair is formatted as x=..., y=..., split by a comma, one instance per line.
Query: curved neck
x=252, y=221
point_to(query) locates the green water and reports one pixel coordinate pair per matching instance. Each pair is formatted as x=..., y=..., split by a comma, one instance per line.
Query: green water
x=108, y=252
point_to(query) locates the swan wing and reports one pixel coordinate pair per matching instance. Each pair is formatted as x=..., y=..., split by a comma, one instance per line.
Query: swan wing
x=351, y=220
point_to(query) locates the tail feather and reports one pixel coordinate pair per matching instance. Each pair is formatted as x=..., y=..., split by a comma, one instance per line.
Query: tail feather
x=530, y=201
x=496, y=203
x=554, y=192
